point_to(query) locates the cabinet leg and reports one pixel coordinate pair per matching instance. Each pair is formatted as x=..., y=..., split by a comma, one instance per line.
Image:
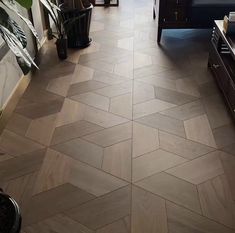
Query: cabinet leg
x=154, y=13
x=159, y=35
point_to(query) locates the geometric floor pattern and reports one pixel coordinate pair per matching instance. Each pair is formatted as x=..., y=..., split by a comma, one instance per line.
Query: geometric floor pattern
x=124, y=136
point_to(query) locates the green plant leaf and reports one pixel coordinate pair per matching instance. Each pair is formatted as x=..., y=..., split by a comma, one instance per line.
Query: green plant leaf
x=25, y=3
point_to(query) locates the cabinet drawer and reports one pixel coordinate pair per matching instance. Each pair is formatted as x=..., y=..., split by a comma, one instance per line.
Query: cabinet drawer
x=177, y=2
x=176, y=14
x=231, y=94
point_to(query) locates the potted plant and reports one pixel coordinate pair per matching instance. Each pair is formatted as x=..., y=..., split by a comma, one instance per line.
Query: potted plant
x=10, y=217
x=13, y=35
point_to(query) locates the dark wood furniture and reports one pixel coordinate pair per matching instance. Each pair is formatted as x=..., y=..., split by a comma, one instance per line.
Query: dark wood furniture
x=222, y=63
x=101, y=3
x=177, y=14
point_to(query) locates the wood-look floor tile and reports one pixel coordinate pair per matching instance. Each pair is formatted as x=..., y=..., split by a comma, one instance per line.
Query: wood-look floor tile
x=150, y=107
x=82, y=150
x=117, y=160
x=165, y=123
x=147, y=71
x=82, y=74
x=102, y=118
x=229, y=149
x=18, y=124
x=225, y=135
x=46, y=204
x=126, y=43
x=141, y=60
x=103, y=210
x=173, y=189
x=120, y=226
x=17, y=145
x=54, y=171
x=183, y=147
x=198, y=129
x=181, y=220
x=100, y=65
x=154, y=162
x=22, y=165
x=93, y=180
x=186, y=111
x=142, y=92
x=94, y=100
x=4, y=156
x=34, y=110
x=148, y=212
x=145, y=139
x=112, y=135
x=73, y=130
x=125, y=68
x=199, y=170
x=216, y=200
x=71, y=111
x=228, y=162
x=57, y=224
x=59, y=86
x=108, y=78
x=217, y=112
x=41, y=129
x=83, y=87
x=116, y=90
x=122, y=105
x=173, y=97
x=187, y=86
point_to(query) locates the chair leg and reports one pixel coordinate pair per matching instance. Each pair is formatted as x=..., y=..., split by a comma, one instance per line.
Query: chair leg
x=159, y=35
x=154, y=13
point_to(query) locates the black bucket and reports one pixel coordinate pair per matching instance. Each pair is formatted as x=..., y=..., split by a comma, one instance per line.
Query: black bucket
x=10, y=217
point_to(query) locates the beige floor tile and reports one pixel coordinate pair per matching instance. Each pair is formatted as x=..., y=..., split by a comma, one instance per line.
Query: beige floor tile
x=150, y=107
x=183, y=147
x=116, y=90
x=103, y=210
x=42, y=129
x=120, y=226
x=198, y=129
x=82, y=74
x=148, y=212
x=164, y=123
x=216, y=200
x=93, y=100
x=71, y=111
x=4, y=156
x=145, y=139
x=74, y=130
x=117, y=160
x=59, y=86
x=188, y=87
x=210, y=167
x=16, y=145
x=110, y=136
x=154, y=162
x=228, y=162
x=141, y=60
x=147, y=71
x=142, y=92
x=126, y=43
x=181, y=220
x=173, y=189
x=186, y=111
x=125, y=68
x=83, y=151
x=101, y=65
x=122, y=105
x=96, y=26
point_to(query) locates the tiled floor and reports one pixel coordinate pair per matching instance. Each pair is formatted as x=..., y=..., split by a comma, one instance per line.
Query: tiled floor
x=124, y=136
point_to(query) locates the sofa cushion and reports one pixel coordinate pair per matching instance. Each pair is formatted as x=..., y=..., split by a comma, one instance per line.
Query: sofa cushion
x=213, y=3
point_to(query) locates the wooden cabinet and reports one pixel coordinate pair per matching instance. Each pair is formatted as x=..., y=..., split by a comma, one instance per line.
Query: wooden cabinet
x=222, y=63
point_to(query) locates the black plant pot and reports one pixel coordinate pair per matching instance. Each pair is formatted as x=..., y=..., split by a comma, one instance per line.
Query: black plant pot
x=107, y=2
x=78, y=34
x=10, y=217
x=61, y=46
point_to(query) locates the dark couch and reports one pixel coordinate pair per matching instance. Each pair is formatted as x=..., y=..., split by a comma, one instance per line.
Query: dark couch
x=192, y=13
